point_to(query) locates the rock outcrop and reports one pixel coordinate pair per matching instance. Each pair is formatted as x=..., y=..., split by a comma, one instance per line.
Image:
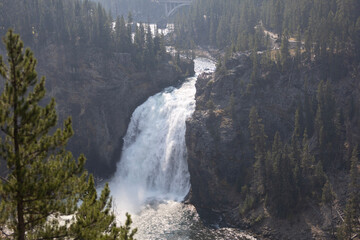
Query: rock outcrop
x=216, y=144
x=218, y=138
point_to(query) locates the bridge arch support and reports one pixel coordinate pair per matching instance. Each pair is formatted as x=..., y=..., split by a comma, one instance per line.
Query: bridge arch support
x=171, y=6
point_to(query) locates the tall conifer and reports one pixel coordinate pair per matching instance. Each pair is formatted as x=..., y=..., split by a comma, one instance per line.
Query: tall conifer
x=44, y=182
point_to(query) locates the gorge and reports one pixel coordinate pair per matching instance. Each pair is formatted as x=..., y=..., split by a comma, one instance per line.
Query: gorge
x=152, y=178
x=264, y=140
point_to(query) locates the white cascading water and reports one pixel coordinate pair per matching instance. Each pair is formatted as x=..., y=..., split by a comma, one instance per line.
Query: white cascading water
x=153, y=163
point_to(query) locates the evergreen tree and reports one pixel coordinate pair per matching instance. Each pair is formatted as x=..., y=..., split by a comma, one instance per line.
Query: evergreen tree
x=274, y=186
x=296, y=134
x=93, y=219
x=149, y=55
x=44, y=181
x=258, y=138
x=122, y=37
x=325, y=124
x=117, y=33
x=295, y=152
x=351, y=224
x=284, y=51
x=308, y=110
x=254, y=73
x=328, y=198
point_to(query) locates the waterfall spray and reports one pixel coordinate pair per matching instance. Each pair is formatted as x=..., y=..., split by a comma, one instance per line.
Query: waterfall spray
x=153, y=163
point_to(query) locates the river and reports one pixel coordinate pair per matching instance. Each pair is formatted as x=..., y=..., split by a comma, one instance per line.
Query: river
x=152, y=176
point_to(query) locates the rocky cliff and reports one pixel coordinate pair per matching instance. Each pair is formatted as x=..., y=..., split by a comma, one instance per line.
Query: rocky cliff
x=100, y=91
x=217, y=145
x=218, y=138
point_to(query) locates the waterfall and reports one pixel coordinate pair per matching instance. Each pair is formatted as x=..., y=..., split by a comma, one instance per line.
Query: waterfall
x=153, y=163
x=152, y=175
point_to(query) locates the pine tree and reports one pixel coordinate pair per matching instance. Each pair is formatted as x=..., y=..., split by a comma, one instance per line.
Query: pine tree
x=295, y=154
x=125, y=38
x=274, y=186
x=296, y=134
x=258, y=138
x=351, y=225
x=308, y=110
x=149, y=55
x=44, y=181
x=284, y=50
x=327, y=194
x=129, y=28
x=255, y=71
x=328, y=198
x=93, y=217
x=117, y=33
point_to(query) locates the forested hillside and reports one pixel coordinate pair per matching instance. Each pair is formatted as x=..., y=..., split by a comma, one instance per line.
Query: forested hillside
x=319, y=24
x=273, y=144
x=80, y=25
x=281, y=114
x=97, y=73
x=43, y=181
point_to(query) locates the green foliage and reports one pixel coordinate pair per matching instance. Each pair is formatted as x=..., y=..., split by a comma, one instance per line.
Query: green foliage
x=330, y=30
x=290, y=174
x=327, y=194
x=218, y=23
x=79, y=26
x=351, y=225
x=244, y=192
x=259, y=219
x=231, y=106
x=281, y=192
x=221, y=67
x=325, y=128
x=44, y=182
x=258, y=138
x=255, y=69
x=284, y=52
x=247, y=205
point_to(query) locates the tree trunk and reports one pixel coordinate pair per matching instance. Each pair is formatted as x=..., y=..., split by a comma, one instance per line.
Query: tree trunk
x=19, y=198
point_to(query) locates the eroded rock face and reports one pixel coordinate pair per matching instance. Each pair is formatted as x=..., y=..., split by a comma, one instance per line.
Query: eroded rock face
x=215, y=142
x=100, y=92
x=217, y=135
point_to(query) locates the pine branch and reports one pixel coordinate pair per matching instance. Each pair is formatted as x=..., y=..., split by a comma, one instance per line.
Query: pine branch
x=54, y=237
x=35, y=219
x=5, y=131
x=4, y=179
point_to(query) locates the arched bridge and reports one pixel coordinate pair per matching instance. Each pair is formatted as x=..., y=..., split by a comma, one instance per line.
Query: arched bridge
x=172, y=5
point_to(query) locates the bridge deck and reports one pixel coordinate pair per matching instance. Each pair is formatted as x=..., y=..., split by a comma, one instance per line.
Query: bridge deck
x=172, y=5
x=173, y=1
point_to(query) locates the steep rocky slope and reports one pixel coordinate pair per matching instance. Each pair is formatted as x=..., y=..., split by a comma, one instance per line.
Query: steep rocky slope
x=101, y=100
x=100, y=91
x=219, y=148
